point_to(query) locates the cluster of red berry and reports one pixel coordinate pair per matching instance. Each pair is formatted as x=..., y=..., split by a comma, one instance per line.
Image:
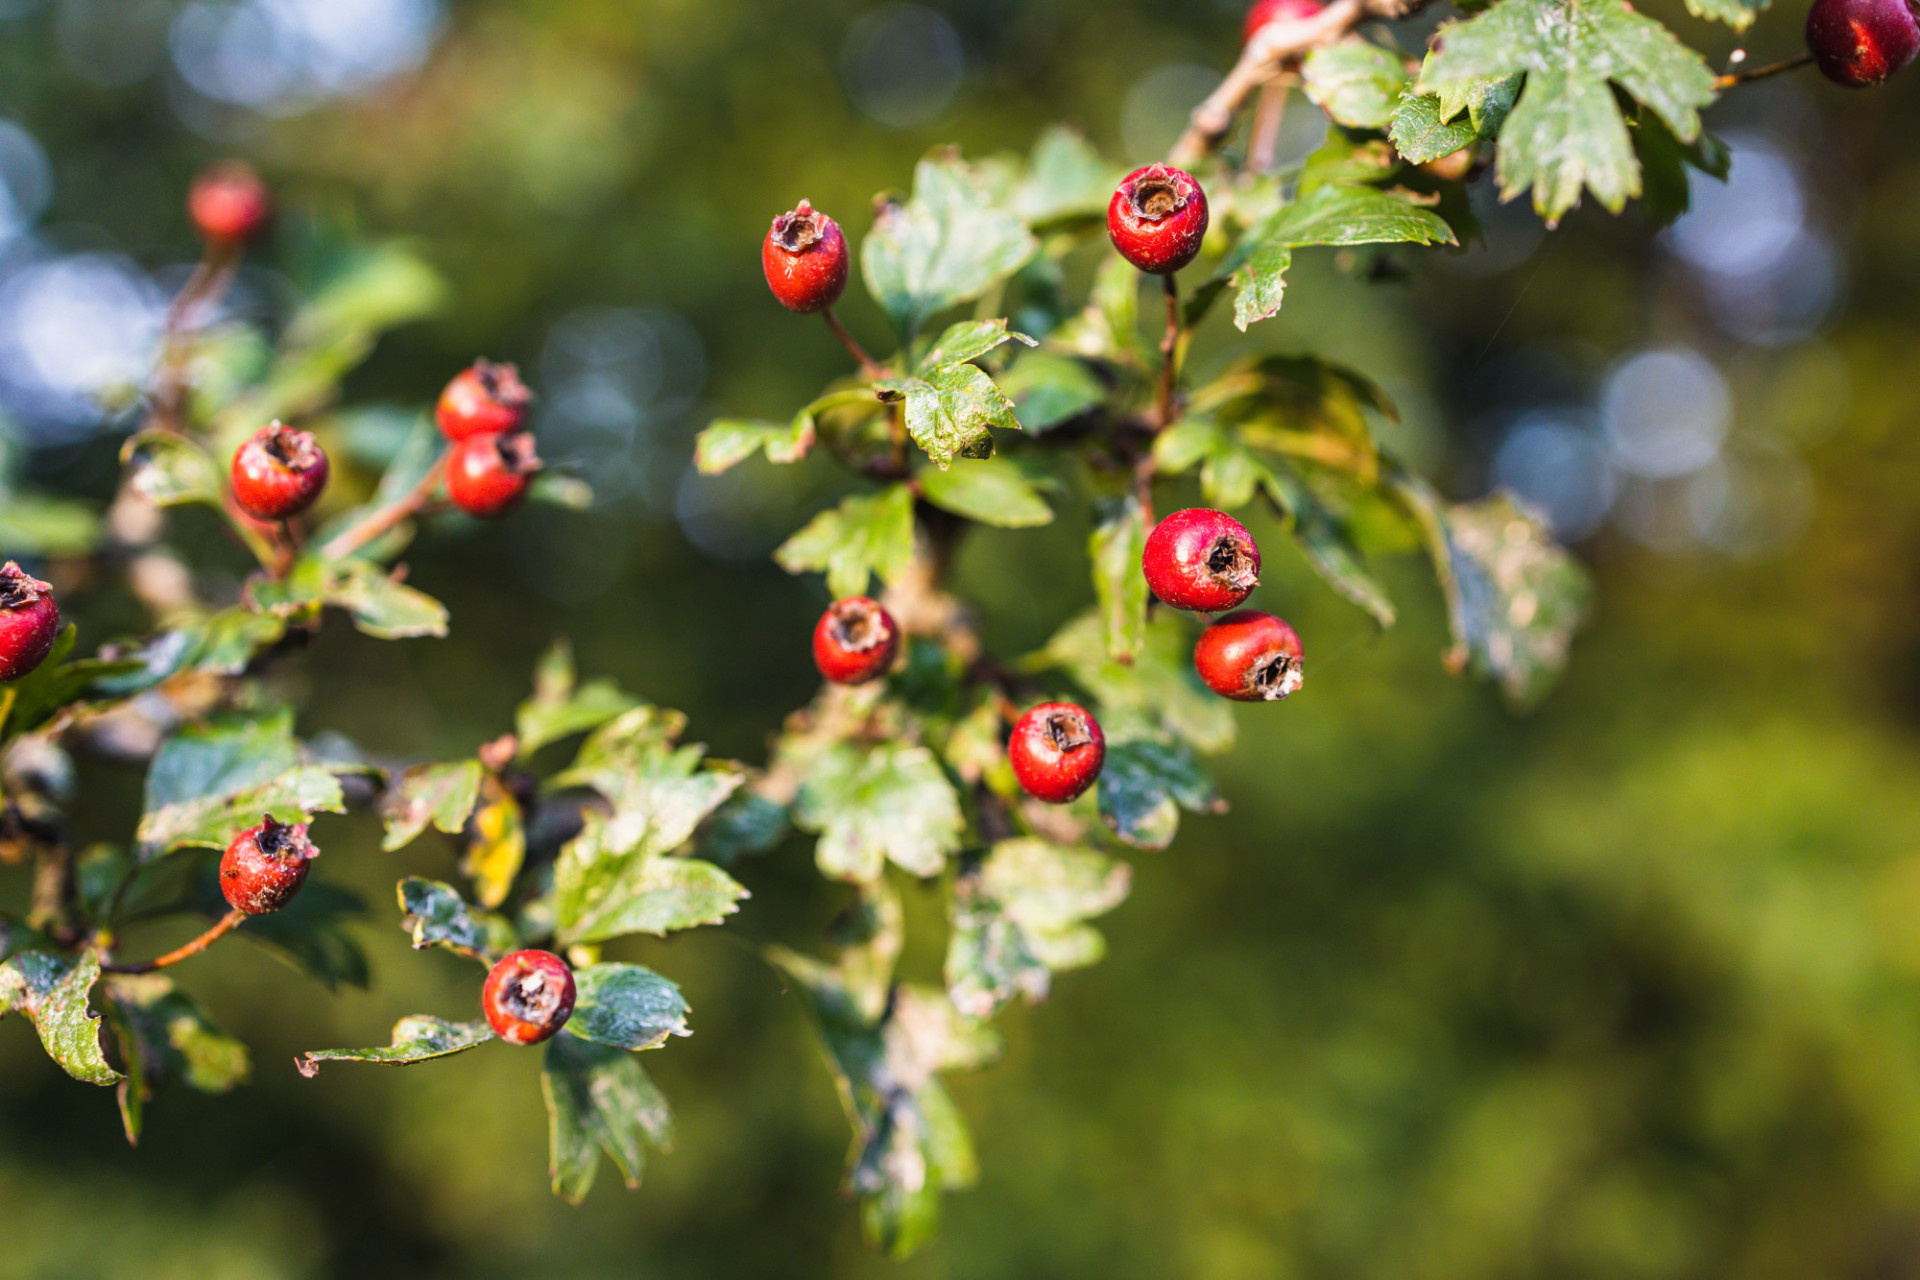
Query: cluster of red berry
x=1199, y=560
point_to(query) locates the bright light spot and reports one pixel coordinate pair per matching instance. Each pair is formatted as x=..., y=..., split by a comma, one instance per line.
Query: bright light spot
x=1784, y=305
x=283, y=55
x=1556, y=464
x=902, y=64
x=26, y=180
x=73, y=329
x=1665, y=412
x=1746, y=225
x=1753, y=506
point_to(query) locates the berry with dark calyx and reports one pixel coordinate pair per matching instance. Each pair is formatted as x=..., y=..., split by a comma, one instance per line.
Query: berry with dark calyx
x=1056, y=751
x=484, y=399
x=805, y=258
x=855, y=641
x=278, y=473
x=265, y=866
x=1201, y=560
x=1249, y=656
x=488, y=475
x=1859, y=43
x=1157, y=219
x=229, y=204
x=29, y=621
x=1266, y=11
x=528, y=997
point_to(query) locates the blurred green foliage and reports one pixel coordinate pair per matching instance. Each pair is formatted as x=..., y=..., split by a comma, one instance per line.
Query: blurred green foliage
x=1624, y=988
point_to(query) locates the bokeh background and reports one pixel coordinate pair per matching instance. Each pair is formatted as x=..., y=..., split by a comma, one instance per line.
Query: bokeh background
x=1629, y=987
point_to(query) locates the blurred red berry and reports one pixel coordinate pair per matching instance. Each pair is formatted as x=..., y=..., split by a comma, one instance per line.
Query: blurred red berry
x=1158, y=219
x=855, y=641
x=29, y=622
x=279, y=472
x=1056, y=751
x=528, y=997
x=229, y=204
x=484, y=399
x=1249, y=656
x=1265, y=11
x=805, y=258
x=488, y=475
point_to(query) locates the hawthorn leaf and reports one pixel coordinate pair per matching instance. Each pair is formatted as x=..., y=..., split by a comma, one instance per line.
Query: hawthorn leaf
x=170, y=470
x=599, y=1099
x=949, y=410
x=172, y=1038
x=1048, y=390
x=988, y=491
x=561, y=707
x=436, y=915
x=1427, y=126
x=437, y=795
x=948, y=244
x=52, y=991
x=864, y=536
x=1356, y=83
x=888, y=803
x=625, y=1006
x=1066, y=178
x=1115, y=547
x=1145, y=784
x=1019, y=915
x=211, y=822
x=416, y=1039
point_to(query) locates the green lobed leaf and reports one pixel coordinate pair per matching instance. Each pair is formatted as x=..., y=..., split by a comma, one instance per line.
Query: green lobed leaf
x=950, y=243
x=1144, y=785
x=863, y=536
x=1049, y=390
x=170, y=470
x=52, y=991
x=381, y=607
x=561, y=707
x=748, y=823
x=1019, y=915
x=1066, y=178
x=625, y=1006
x=967, y=341
x=949, y=410
x=1115, y=547
x=1356, y=83
x=62, y=683
x=891, y=802
x=437, y=916
x=1159, y=687
x=416, y=1039
x=607, y=895
x=1566, y=132
x=1427, y=126
x=990, y=491
x=221, y=755
x=166, y=1036
x=440, y=795
x=728, y=442
x=599, y=1099
x=211, y=822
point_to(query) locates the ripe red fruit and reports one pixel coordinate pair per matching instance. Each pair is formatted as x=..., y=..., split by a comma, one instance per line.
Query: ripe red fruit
x=265, y=866
x=229, y=204
x=805, y=258
x=278, y=473
x=1859, y=43
x=484, y=399
x=1201, y=560
x=488, y=475
x=1056, y=751
x=29, y=622
x=855, y=641
x=1249, y=656
x=528, y=997
x=1265, y=11
x=1157, y=218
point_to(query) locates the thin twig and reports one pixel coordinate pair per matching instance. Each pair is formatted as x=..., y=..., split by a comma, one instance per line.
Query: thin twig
x=1268, y=115
x=226, y=925
x=1260, y=62
x=350, y=540
x=854, y=349
x=1169, y=352
x=1733, y=78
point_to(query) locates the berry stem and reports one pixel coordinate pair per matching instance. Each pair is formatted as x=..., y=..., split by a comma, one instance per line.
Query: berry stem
x=847, y=340
x=286, y=551
x=203, y=289
x=1169, y=353
x=350, y=540
x=1733, y=78
x=225, y=925
x=1267, y=116
x=1260, y=62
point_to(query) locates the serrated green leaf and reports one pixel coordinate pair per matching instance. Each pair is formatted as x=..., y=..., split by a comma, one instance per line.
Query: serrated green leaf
x=862, y=537
x=381, y=607
x=1356, y=83
x=52, y=990
x=625, y=894
x=1048, y=390
x=33, y=524
x=1427, y=126
x=436, y=915
x=599, y=1099
x=625, y=1006
x=415, y=1039
x=949, y=244
x=989, y=491
x=61, y=683
x=1066, y=178
x=211, y=822
x=220, y=756
x=441, y=795
x=1566, y=132
x=560, y=707
x=1115, y=547
x=1019, y=915
x=173, y=1038
x=1738, y=14
x=949, y=410
x=748, y=823
x=891, y=802
x=727, y=442
x=170, y=470
x=226, y=642
x=968, y=340
x=1159, y=687
x=1144, y=785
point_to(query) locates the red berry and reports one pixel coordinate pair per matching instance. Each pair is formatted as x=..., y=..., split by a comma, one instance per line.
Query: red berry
x=1265, y=11
x=1859, y=43
x=229, y=204
x=805, y=258
x=265, y=866
x=29, y=622
x=278, y=473
x=1201, y=560
x=488, y=475
x=856, y=641
x=1249, y=656
x=1056, y=751
x=528, y=997
x=484, y=399
x=1157, y=219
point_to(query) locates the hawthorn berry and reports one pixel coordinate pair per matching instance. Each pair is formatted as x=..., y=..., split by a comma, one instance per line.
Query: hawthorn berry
x=29, y=621
x=278, y=473
x=483, y=399
x=805, y=258
x=1056, y=751
x=1859, y=43
x=229, y=204
x=266, y=865
x=528, y=997
x=488, y=475
x=855, y=641
x=1201, y=560
x=1265, y=11
x=1249, y=656
x=1157, y=219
